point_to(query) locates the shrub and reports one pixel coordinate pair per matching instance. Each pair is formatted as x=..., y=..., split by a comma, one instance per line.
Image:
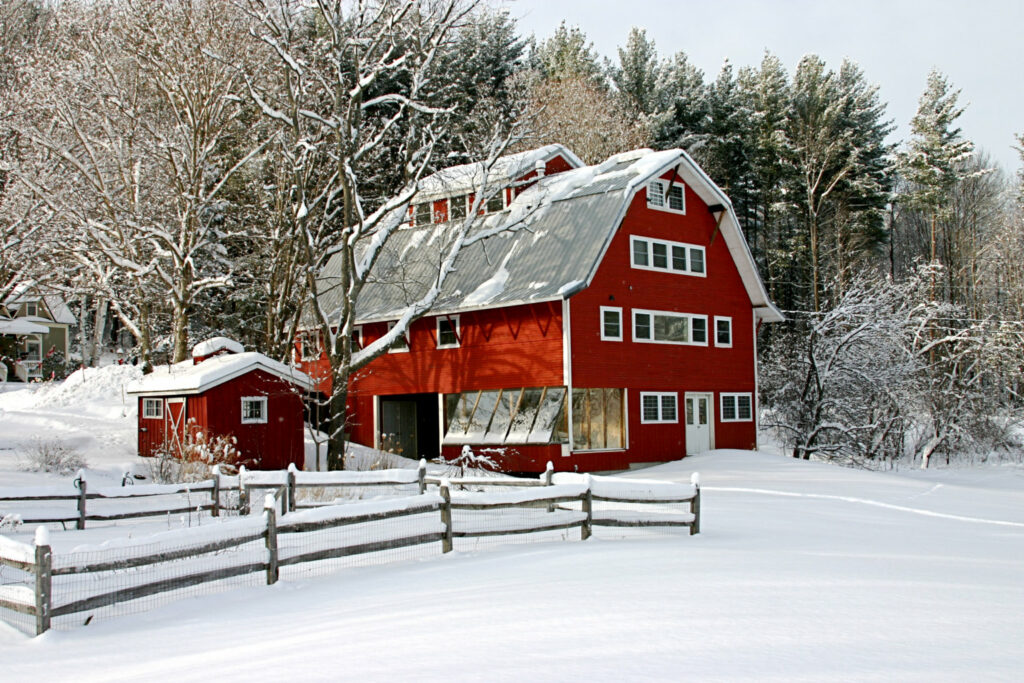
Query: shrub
x=54, y=456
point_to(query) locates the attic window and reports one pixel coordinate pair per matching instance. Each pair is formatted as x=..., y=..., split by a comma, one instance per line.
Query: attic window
x=664, y=196
x=254, y=410
x=496, y=202
x=423, y=213
x=31, y=308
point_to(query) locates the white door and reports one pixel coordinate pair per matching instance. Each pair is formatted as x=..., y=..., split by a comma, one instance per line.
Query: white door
x=698, y=423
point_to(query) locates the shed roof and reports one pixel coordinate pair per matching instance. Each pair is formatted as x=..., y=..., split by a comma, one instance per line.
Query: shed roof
x=558, y=231
x=187, y=378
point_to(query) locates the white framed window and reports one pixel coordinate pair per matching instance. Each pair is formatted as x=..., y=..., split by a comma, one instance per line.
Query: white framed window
x=309, y=345
x=496, y=202
x=611, y=323
x=423, y=214
x=737, y=407
x=448, y=332
x=667, y=257
x=31, y=308
x=457, y=208
x=153, y=408
x=357, y=339
x=664, y=196
x=254, y=410
x=667, y=327
x=659, y=407
x=723, y=331
x=401, y=344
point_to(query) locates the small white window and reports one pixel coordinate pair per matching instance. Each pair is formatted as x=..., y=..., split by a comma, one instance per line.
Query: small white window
x=401, y=344
x=254, y=410
x=423, y=214
x=737, y=407
x=309, y=345
x=32, y=308
x=666, y=197
x=448, y=332
x=611, y=323
x=723, y=331
x=658, y=407
x=153, y=408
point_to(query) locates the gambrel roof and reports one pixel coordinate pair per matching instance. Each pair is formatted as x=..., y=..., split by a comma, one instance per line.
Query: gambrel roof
x=558, y=231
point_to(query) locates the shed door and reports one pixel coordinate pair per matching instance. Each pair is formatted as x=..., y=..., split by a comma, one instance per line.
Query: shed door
x=698, y=423
x=174, y=427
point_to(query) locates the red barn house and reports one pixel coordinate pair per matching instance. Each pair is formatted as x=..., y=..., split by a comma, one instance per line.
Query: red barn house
x=224, y=391
x=614, y=324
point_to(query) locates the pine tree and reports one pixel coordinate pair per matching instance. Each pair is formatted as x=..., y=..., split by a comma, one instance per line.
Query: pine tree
x=636, y=77
x=568, y=54
x=681, y=109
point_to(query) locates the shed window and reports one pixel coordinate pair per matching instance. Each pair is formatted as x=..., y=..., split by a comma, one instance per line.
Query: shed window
x=254, y=410
x=153, y=408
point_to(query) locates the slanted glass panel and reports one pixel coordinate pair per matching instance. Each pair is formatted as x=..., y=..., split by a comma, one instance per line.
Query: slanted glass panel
x=679, y=258
x=696, y=260
x=502, y=416
x=743, y=407
x=640, y=256
x=580, y=420
x=457, y=208
x=660, y=254
x=671, y=328
x=524, y=416
x=700, y=330
x=481, y=418
x=460, y=419
x=547, y=415
x=675, y=197
x=595, y=412
x=642, y=325
x=613, y=427
x=451, y=402
x=561, y=433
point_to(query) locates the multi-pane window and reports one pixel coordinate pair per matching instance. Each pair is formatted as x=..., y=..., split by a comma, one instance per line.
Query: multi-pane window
x=254, y=409
x=448, y=332
x=496, y=202
x=737, y=407
x=658, y=407
x=598, y=421
x=423, y=213
x=611, y=323
x=506, y=416
x=457, y=208
x=31, y=308
x=665, y=196
x=356, y=339
x=723, y=331
x=400, y=344
x=666, y=327
x=671, y=257
x=153, y=408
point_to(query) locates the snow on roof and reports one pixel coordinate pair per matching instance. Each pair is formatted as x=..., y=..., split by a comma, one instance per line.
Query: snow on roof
x=189, y=378
x=29, y=291
x=559, y=230
x=215, y=344
x=21, y=326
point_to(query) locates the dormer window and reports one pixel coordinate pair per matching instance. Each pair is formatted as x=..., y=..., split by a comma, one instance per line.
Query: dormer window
x=666, y=196
x=31, y=308
x=496, y=202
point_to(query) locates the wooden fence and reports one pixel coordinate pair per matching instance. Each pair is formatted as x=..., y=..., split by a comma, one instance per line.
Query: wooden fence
x=556, y=500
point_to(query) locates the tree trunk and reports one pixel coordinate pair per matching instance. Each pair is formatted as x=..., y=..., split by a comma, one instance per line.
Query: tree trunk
x=339, y=434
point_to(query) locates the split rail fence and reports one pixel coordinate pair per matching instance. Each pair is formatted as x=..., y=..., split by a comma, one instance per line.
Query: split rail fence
x=195, y=556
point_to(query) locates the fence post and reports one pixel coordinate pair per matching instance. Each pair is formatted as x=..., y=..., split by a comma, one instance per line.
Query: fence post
x=695, y=503
x=215, y=493
x=271, y=513
x=80, y=483
x=291, y=487
x=549, y=472
x=44, y=567
x=243, y=494
x=588, y=507
x=446, y=516
x=421, y=474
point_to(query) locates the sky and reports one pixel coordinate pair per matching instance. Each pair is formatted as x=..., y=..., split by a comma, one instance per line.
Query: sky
x=978, y=45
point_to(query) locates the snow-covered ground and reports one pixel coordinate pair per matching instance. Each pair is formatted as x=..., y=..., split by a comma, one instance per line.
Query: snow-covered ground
x=803, y=572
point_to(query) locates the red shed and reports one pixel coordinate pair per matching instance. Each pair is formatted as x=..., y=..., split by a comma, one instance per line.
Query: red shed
x=224, y=391
x=613, y=323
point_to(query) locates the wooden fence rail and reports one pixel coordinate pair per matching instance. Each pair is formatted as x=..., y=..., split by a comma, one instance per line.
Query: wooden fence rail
x=39, y=561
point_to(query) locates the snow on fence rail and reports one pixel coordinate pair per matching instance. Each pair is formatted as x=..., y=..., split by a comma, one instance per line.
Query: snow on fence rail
x=194, y=556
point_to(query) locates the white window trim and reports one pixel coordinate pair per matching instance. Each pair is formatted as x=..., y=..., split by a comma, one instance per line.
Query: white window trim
x=415, y=213
x=158, y=402
x=617, y=311
x=664, y=184
x=668, y=248
x=735, y=395
x=504, y=201
x=727, y=319
x=303, y=337
x=257, y=399
x=671, y=314
x=357, y=336
x=659, y=395
x=34, y=311
x=392, y=349
x=458, y=331
x=465, y=207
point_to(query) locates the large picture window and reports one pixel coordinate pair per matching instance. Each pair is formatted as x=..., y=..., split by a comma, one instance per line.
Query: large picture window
x=534, y=415
x=670, y=257
x=737, y=407
x=598, y=421
x=666, y=327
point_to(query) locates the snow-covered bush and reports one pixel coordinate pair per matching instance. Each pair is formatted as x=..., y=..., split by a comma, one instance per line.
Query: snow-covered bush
x=190, y=458
x=468, y=459
x=53, y=456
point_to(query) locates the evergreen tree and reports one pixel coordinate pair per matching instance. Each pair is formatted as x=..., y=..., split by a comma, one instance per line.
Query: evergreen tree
x=568, y=54
x=636, y=77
